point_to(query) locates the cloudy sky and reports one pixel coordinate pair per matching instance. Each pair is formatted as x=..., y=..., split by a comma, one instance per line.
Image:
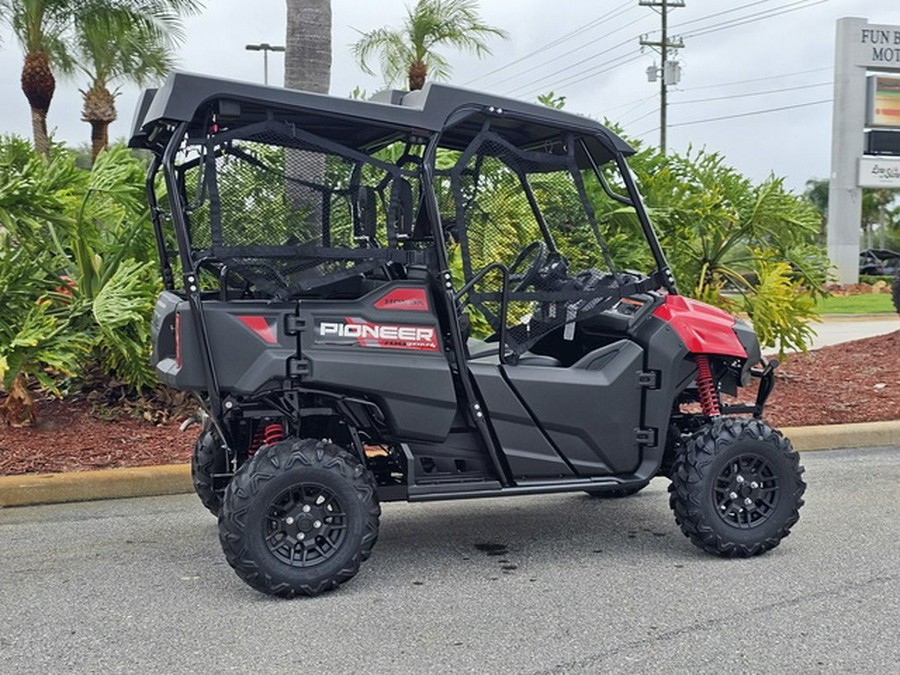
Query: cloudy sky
x=756, y=78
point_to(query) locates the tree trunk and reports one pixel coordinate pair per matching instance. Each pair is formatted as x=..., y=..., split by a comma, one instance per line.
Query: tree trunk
x=38, y=85
x=417, y=73
x=39, y=132
x=99, y=139
x=307, y=57
x=307, y=67
x=99, y=111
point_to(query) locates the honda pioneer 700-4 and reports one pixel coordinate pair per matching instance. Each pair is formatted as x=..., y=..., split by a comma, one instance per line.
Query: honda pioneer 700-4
x=439, y=294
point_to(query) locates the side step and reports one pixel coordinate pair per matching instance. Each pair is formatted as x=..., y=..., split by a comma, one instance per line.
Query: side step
x=427, y=493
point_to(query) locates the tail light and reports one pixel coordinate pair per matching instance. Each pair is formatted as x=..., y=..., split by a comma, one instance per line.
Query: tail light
x=178, y=339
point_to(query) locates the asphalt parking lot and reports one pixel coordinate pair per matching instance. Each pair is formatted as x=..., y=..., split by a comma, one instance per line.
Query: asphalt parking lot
x=551, y=584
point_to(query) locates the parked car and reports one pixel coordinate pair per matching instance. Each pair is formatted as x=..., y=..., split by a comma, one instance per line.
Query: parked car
x=879, y=262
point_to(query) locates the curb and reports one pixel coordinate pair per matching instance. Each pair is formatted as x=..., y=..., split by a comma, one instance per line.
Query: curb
x=153, y=481
x=79, y=486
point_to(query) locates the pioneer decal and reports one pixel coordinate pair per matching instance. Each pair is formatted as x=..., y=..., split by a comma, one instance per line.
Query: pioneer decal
x=404, y=299
x=379, y=335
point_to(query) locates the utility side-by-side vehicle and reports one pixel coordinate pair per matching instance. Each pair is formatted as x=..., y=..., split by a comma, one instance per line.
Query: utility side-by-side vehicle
x=439, y=294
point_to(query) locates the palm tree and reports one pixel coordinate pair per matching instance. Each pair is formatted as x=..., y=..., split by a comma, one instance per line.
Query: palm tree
x=307, y=67
x=128, y=40
x=40, y=27
x=307, y=57
x=409, y=50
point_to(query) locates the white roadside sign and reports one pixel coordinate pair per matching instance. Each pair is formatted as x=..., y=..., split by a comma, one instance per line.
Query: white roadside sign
x=879, y=172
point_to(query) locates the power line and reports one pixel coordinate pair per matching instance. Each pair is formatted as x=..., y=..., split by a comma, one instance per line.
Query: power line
x=542, y=78
x=638, y=104
x=752, y=93
x=754, y=112
x=611, y=14
x=757, y=79
x=753, y=18
x=640, y=101
x=726, y=11
x=638, y=119
x=591, y=73
x=665, y=47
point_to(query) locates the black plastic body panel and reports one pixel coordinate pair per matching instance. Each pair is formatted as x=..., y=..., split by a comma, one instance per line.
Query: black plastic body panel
x=528, y=451
x=249, y=344
x=667, y=355
x=590, y=410
x=393, y=356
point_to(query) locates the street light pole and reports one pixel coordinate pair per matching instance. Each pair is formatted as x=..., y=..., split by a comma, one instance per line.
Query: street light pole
x=265, y=48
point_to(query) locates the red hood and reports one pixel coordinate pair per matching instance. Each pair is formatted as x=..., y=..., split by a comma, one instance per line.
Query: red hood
x=704, y=329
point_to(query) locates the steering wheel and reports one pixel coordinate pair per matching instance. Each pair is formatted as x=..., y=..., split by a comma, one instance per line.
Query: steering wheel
x=522, y=280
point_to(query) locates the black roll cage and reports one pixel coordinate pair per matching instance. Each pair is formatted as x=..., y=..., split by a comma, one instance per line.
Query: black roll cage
x=166, y=139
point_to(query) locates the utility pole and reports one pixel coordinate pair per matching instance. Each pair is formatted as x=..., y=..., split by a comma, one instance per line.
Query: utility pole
x=669, y=71
x=265, y=48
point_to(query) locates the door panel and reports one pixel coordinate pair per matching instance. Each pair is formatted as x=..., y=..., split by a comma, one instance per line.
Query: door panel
x=528, y=452
x=590, y=410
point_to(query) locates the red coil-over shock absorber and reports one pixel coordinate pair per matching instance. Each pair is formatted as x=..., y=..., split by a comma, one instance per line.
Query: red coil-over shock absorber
x=273, y=433
x=706, y=387
x=266, y=435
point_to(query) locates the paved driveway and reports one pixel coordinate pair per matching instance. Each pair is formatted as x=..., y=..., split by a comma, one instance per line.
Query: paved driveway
x=540, y=584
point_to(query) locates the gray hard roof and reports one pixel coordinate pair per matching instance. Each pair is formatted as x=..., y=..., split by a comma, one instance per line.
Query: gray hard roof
x=188, y=97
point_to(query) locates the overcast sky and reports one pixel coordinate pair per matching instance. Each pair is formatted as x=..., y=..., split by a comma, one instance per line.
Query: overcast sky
x=736, y=54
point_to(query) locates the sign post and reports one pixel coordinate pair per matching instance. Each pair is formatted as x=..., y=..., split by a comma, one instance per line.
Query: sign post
x=860, y=46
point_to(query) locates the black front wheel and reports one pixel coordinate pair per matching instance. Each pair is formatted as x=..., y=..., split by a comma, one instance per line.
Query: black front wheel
x=737, y=488
x=299, y=518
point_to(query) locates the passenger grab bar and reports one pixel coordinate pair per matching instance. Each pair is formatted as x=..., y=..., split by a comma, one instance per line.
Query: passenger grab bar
x=504, y=298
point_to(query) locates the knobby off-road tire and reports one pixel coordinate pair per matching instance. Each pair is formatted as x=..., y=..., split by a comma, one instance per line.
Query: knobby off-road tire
x=895, y=291
x=617, y=493
x=209, y=458
x=737, y=488
x=299, y=518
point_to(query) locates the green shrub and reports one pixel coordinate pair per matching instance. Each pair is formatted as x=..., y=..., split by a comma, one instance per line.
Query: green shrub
x=77, y=270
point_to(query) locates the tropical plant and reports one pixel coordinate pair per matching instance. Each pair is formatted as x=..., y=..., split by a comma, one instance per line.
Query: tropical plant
x=130, y=40
x=36, y=332
x=77, y=271
x=876, y=211
x=551, y=100
x=409, y=51
x=40, y=27
x=736, y=244
x=108, y=252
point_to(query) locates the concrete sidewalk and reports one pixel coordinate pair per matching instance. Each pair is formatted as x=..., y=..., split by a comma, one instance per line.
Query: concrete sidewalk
x=31, y=489
x=835, y=329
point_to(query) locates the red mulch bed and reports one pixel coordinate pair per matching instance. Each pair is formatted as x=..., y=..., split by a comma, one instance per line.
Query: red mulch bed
x=71, y=436
x=855, y=381
x=852, y=382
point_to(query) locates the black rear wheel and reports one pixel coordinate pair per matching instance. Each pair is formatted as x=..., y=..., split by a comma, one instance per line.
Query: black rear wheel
x=299, y=518
x=208, y=461
x=737, y=488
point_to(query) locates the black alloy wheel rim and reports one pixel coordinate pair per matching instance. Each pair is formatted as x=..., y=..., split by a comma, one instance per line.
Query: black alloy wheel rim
x=305, y=525
x=746, y=491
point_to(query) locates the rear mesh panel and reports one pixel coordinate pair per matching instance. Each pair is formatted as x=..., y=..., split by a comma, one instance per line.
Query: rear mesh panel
x=286, y=214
